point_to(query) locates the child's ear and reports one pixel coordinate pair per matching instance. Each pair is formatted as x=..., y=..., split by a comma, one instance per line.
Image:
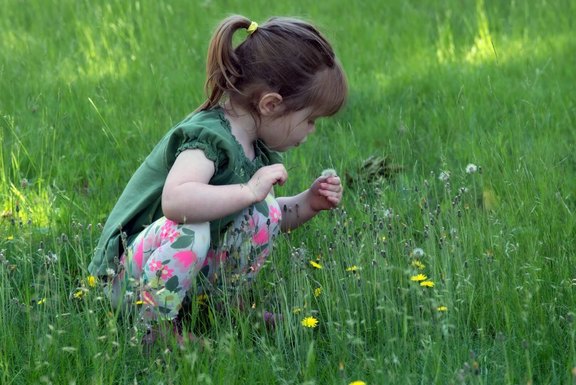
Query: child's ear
x=270, y=104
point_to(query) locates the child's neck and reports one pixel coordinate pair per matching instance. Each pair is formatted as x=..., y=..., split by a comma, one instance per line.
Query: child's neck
x=243, y=128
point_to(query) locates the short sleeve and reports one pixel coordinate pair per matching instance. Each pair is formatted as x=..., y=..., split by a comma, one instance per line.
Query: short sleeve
x=209, y=132
x=209, y=149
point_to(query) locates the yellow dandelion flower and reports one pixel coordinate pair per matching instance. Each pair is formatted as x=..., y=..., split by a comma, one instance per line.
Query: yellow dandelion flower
x=78, y=294
x=41, y=301
x=427, y=284
x=91, y=281
x=418, y=265
x=309, y=322
x=315, y=265
x=317, y=292
x=10, y=237
x=357, y=383
x=352, y=268
x=139, y=302
x=418, y=278
x=442, y=308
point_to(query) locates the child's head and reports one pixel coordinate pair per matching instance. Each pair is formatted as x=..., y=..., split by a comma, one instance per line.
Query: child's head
x=284, y=55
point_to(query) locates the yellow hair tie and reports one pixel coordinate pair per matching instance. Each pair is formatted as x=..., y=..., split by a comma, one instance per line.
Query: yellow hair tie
x=253, y=27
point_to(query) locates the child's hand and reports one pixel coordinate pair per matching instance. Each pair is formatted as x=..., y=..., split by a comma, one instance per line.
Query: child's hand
x=326, y=192
x=265, y=178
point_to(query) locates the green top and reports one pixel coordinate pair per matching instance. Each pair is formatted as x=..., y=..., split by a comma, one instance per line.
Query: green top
x=140, y=202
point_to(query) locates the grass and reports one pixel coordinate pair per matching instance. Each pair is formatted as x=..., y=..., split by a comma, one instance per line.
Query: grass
x=89, y=87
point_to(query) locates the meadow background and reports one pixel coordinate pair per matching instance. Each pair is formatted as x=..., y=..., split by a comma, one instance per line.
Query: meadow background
x=88, y=87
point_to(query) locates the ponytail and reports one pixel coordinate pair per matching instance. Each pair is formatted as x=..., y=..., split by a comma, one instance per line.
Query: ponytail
x=284, y=55
x=222, y=66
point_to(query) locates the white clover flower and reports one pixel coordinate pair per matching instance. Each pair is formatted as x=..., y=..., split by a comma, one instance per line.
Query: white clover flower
x=418, y=253
x=110, y=272
x=444, y=176
x=471, y=168
x=388, y=213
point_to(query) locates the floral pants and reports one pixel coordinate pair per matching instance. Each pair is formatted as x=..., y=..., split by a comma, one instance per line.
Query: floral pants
x=168, y=261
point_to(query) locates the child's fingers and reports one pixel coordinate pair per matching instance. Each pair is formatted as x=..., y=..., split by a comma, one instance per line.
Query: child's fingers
x=332, y=185
x=335, y=201
x=337, y=194
x=333, y=180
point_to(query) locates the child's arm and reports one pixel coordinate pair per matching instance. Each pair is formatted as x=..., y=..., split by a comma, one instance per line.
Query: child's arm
x=188, y=197
x=324, y=194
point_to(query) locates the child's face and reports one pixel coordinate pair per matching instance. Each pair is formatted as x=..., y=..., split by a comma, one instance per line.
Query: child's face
x=287, y=131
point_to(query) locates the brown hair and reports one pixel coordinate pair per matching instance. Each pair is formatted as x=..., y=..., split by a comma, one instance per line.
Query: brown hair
x=284, y=55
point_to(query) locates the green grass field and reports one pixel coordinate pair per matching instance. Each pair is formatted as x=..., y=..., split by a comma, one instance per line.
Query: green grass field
x=88, y=87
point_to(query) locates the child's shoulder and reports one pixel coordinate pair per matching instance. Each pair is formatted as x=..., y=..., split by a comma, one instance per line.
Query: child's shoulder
x=211, y=117
x=206, y=123
x=206, y=129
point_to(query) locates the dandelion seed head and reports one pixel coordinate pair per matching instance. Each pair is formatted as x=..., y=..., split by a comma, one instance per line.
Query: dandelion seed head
x=329, y=172
x=471, y=168
x=51, y=257
x=418, y=252
x=444, y=176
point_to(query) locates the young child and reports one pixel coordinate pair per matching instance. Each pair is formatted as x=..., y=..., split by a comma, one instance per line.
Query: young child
x=201, y=209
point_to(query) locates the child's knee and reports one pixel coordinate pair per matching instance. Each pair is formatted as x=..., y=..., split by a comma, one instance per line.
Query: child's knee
x=200, y=234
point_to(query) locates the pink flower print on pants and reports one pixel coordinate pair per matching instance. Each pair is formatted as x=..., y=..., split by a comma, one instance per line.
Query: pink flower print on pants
x=167, y=260
x=261, y=237
x=155, y=265
x=169, y=231
x=275, y=214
